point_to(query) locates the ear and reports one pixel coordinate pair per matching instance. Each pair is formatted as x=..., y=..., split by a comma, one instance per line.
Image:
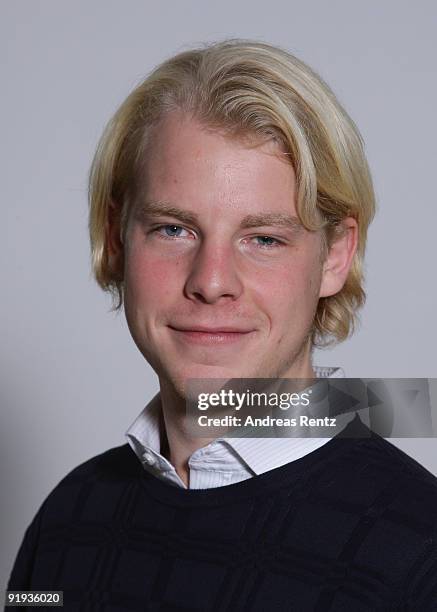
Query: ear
x=114, y=242
x=339, y=258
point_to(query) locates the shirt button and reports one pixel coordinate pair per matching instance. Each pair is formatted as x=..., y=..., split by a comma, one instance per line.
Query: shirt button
x=149, y=458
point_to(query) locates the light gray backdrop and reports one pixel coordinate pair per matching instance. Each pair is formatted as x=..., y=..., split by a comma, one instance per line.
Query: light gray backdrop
x=71, y=378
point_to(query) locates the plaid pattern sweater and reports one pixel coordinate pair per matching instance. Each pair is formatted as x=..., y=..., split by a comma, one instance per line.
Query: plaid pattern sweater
x=349, y=527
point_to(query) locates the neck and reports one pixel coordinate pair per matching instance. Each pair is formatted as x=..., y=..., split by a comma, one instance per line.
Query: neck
x=177, y=441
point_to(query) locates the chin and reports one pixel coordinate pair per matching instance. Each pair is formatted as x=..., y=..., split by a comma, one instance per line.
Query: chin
x=179, y=380
x=211, y=372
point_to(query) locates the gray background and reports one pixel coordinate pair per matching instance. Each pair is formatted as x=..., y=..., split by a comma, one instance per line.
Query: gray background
x=71, y=378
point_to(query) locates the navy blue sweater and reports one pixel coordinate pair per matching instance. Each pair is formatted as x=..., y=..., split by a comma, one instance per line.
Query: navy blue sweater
x=350, y=527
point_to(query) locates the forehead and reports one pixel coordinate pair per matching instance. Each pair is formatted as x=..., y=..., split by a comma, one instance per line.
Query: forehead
x=204, y=170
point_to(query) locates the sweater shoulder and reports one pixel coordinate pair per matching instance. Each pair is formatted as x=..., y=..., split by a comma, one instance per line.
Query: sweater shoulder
x=114, y=467
x=368, y=449
x=100, y=479
x=373, y=475
x=117, y=463
x=392, y=459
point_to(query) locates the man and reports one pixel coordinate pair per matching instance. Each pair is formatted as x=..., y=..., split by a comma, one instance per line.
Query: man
x=229, y=205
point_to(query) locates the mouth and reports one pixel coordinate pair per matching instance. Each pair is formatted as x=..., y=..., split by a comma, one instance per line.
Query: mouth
x=222, y=335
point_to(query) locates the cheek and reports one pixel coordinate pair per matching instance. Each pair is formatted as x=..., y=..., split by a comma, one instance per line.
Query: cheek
x=150, y=280
x=290, y=292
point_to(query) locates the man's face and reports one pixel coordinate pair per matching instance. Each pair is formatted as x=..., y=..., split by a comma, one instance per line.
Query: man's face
x=221, y=280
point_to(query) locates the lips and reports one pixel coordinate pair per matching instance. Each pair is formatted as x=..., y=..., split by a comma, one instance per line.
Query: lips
x=223, y=329
x=211, y=335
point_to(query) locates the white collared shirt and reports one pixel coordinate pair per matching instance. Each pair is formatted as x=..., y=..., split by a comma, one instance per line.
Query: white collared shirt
x=223, y=461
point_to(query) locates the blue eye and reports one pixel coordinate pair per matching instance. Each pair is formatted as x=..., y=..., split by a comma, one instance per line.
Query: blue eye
x=267, y=241
x=170, y=231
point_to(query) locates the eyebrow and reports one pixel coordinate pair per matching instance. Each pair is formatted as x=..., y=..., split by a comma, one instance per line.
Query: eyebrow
x=157, y=208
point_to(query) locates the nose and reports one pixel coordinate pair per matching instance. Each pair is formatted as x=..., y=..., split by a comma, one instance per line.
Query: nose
x=213, y=275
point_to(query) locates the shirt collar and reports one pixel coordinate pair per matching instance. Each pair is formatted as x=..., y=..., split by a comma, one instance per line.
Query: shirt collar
x=145, y=430
x=259, y=454
x=264, y=454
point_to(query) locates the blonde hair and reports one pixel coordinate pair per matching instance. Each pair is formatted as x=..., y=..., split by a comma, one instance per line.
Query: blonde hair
x=255, y=89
